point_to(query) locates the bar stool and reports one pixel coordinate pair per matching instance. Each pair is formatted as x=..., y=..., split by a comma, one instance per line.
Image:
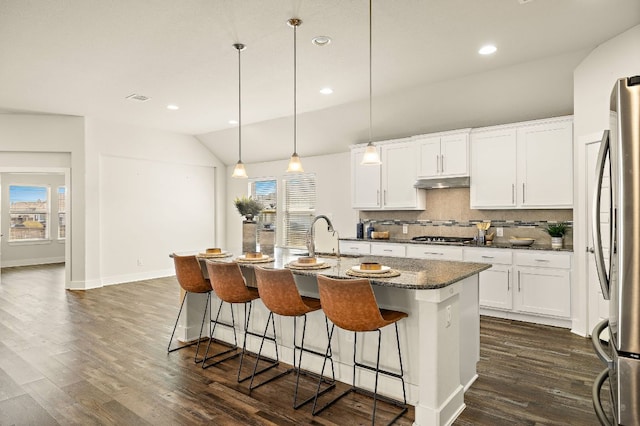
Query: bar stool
x=229, y=285
x=279, y=293
x=191, y=280
x=351, y=305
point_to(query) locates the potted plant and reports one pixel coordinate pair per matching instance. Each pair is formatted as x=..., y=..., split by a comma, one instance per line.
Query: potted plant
x=248, y=207
x=557, y=231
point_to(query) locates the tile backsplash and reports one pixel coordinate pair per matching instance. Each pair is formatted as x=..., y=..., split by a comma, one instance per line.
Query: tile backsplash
x=448, y=214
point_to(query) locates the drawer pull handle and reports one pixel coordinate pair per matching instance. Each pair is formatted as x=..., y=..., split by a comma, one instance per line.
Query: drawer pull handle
x=488, y=257
x=542, y=260
x=389, y=250
x=434, y=253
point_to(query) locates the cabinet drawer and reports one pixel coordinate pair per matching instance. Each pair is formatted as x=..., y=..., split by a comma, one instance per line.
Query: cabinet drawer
x=386, y=249
x=494, y=256
x=354, y=247
x=542, y=259
x=425, y=251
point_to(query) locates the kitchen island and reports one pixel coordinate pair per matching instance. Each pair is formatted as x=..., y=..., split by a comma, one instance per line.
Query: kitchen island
x=440, y=339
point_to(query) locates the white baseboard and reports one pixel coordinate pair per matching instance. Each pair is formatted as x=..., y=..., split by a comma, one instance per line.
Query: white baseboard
x=31, y=262
x=139, y=276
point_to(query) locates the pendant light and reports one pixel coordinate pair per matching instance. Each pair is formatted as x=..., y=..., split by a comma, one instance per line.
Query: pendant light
x=371, y=156
x=239, y=171
x=295, y=166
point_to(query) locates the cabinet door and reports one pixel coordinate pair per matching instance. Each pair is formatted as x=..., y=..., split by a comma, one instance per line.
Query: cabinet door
x=545, y=165
x=544, y=291
x=454, y=155
x=354, y=247
x=493, y=169
x=428, y=157
x=399, y=174
x=365, y=182
x=496, y=288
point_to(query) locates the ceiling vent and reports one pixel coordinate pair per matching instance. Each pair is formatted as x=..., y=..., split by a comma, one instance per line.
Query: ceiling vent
x=524, y=1
x=138, y=98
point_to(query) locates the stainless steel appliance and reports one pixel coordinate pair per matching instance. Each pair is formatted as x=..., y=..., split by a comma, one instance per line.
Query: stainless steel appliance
x=452, y=241
x=621, y=283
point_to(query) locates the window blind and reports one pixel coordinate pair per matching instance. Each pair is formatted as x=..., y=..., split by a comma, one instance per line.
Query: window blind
x=299, y=206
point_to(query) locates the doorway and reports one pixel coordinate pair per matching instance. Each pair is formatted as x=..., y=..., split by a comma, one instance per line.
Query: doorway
x=34, y=217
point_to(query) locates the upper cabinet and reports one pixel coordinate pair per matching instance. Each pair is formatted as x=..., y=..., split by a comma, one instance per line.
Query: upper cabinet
x=443, y=154
x=388, y=186
x=525, y=165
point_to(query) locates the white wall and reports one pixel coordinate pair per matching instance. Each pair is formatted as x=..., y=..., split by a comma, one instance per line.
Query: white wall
x=155, y=194
x=30, y=253
x=50, y=142
x=594, y=78
x=333, y=191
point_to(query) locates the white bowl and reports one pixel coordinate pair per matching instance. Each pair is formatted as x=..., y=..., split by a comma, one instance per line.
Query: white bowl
x=515, y=241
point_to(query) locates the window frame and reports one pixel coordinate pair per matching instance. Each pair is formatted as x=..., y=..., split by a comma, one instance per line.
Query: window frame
x=47, y=212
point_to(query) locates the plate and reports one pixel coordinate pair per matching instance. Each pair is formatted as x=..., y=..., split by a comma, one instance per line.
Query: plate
x=371, y=271
x=244, y=257
x=521, y=241
x=223, y=254
x=306, y=265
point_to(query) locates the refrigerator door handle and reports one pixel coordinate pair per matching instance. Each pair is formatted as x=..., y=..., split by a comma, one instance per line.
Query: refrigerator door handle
x=597, y=343
x=597, y=402
x=597, y=234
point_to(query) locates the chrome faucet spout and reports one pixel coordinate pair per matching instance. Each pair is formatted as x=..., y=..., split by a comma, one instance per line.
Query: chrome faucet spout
x=311, y=243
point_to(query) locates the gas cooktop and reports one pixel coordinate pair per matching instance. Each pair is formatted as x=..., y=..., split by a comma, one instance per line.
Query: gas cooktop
x=443, y=240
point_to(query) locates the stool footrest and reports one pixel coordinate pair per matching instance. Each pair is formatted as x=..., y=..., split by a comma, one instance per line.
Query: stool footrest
x=385, y=372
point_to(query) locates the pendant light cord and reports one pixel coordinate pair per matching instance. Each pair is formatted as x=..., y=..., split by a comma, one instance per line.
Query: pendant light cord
x=295, y=92
x=370, y=78
x=239, y=107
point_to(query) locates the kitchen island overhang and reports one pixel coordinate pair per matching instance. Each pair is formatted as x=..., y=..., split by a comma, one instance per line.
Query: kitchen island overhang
x=440, y=339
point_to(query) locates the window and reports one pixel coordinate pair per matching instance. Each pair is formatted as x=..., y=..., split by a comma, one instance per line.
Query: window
x=62, y=212
x=266, y=192
x=299, y=205
x=29, y=212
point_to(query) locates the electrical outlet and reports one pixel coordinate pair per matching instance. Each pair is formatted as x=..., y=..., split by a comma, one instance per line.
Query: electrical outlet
x=448, y=315
x=405, y=229
x=499, y=232
x=140, y=262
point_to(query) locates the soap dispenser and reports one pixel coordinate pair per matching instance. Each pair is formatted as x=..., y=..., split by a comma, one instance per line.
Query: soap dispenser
x=370, y=230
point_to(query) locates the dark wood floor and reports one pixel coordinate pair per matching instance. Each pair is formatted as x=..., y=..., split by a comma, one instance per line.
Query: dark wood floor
x=99, y=357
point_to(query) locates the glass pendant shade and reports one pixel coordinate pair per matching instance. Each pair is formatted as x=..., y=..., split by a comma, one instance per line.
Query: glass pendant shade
x=239, y=171
x=295, y=166
x=371, y=156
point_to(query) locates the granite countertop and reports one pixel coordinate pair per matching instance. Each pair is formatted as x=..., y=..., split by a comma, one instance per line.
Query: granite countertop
x=497, y=245
x=416, y=274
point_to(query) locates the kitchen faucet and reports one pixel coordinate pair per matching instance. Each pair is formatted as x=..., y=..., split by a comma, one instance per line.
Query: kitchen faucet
x=311, y=243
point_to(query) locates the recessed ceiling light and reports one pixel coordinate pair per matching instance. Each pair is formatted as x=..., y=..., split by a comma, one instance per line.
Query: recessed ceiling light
x=233, y=121
x=487, y=50
x=173, y=107
x=321, y=40
x=326, y=90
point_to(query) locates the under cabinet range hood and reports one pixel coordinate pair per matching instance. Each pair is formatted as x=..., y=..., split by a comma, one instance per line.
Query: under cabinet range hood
x=443, y=182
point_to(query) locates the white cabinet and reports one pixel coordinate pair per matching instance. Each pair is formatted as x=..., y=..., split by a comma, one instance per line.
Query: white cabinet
x=434, y=252
x=354, y=247
x=524, y=165
x=390, y=185
x=493, y=168
x=388, y=249
x=442, y=155
x=525, y=285
x=543, y=284
x=496, y=284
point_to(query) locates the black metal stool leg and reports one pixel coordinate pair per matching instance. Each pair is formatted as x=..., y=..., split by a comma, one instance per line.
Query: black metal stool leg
x=272, y=362
x=232, y=348
x=175, y=326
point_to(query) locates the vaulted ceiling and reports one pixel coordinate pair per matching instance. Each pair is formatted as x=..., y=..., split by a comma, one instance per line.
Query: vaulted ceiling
x=84, y=57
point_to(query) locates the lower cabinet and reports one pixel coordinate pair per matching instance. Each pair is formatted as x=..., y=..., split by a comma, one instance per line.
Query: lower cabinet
x=354, y=247
x=530, y=285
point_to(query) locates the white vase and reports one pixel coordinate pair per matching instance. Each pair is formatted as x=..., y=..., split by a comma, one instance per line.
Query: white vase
x=556, y=242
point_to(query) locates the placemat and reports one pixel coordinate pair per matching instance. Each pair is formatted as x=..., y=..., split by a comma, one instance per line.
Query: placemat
x=389, y=274
x=214, y=255
x=244, y=260
x=301, y=267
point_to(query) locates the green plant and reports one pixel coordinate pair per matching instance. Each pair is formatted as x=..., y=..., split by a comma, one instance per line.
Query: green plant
x=247, y=206
x=557, y=229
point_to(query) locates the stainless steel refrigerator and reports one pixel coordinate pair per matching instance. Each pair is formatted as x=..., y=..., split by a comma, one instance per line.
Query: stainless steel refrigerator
x=620, y=281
